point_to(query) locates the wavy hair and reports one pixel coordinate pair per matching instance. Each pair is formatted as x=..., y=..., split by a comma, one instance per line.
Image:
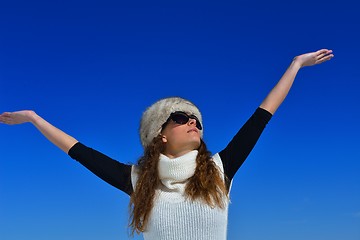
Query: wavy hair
x=205, y=185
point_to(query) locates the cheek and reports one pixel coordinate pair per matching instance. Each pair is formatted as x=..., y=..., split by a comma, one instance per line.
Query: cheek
x=169, y=134
x=175, y=134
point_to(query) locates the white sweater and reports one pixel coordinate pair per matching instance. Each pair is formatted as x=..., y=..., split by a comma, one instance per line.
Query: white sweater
x=173, y=217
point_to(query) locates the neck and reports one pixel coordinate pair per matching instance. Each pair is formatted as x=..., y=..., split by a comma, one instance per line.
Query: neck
x=177, y=154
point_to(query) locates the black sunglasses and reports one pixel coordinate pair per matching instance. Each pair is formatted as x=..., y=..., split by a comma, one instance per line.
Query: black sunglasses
x=182, y=118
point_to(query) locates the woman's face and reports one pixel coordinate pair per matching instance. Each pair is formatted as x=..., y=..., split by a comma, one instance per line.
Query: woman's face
x=180, y=138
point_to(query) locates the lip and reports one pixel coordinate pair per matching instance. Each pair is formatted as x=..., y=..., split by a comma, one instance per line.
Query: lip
x=193, y=130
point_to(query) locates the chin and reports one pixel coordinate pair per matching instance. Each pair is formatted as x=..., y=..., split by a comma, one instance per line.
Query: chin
x=196, y=145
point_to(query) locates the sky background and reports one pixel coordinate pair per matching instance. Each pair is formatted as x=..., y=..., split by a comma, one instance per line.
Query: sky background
x=92, y=67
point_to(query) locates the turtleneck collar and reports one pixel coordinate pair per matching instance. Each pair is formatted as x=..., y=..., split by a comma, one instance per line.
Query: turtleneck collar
x=175, y=171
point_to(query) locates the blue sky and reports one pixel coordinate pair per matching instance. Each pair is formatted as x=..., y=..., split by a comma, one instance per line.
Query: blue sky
x=92, y=67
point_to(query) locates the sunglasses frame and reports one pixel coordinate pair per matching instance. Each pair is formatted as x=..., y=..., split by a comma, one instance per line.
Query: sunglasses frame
x=184, y=114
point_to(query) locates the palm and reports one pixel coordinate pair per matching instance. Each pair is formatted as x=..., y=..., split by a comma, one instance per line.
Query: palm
x=313, y=58
x=18, y=117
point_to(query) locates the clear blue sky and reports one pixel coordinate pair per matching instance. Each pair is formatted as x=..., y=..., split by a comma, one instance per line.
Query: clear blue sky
x=92, y=67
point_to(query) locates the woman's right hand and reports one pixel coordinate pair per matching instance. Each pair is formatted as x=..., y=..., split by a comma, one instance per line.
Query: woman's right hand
x=53, y=134
x=18, y=117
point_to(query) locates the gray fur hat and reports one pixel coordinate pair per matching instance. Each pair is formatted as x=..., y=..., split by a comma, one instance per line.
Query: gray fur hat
x=157, y=114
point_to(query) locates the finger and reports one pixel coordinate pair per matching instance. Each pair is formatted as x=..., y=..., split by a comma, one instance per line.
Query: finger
x=326, y=55
x=9, y=122
x=6, y=118
x=325, y=58
x=5, y=114
x=323, y=53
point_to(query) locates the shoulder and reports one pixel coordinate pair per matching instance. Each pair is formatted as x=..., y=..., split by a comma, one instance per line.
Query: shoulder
x=217, y=160
x=134, y=175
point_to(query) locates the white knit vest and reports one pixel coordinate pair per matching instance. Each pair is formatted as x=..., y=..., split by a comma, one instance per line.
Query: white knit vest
x=173, y=217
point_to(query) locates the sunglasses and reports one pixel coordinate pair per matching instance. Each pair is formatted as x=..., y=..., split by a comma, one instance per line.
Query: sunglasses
x=182, y=118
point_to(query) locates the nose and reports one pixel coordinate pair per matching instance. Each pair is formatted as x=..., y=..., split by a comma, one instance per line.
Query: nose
x=192, y=121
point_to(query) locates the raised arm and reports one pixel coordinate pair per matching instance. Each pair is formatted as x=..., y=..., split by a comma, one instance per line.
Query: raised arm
x=113, y=172
x=282, y=88
x=53, y=134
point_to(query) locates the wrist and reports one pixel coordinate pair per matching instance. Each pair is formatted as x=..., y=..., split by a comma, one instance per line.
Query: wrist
x=32, y=116
x=296, y=63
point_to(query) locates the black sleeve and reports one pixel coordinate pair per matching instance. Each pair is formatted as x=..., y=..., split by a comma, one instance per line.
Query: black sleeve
x=111, y=171
x=235, y=153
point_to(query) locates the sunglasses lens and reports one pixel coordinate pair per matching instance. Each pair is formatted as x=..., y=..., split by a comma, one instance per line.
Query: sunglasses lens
x=183, y=118
x=180, y=118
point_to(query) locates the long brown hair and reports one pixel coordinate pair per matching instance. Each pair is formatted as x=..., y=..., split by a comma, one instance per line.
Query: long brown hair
x=206, y=184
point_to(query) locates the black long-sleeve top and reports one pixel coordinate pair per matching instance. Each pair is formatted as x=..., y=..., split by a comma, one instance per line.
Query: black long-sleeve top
x=232, y=156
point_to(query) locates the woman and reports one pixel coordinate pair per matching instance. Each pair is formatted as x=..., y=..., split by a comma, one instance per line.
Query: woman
x=177, y=189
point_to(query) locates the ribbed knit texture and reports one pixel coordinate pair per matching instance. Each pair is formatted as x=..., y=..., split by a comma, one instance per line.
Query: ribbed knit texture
x=174, y=217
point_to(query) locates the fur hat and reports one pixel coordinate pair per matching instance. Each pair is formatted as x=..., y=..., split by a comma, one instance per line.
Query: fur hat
x=157, y=114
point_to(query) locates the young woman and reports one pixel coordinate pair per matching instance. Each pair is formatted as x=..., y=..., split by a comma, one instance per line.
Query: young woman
x=177, y=189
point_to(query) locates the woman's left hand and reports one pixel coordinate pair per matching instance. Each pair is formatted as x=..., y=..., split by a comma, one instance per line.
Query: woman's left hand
x=313, y=58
